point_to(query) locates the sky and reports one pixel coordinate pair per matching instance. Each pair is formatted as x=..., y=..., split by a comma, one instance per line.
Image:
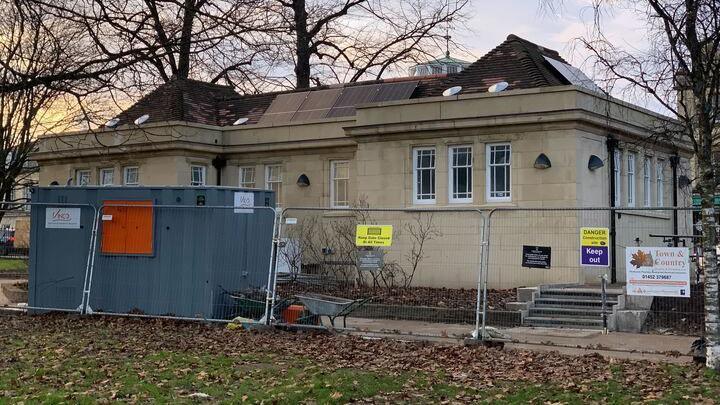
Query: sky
x=492, y=21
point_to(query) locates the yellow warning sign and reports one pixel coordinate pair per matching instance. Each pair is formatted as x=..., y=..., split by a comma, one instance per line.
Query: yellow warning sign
x=594, y=236
x=373, y=235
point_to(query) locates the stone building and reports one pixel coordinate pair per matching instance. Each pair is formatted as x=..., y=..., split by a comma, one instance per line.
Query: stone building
x=543, y=136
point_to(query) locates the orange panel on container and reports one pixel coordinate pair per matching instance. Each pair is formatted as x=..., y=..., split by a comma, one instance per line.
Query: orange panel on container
x=128, y=230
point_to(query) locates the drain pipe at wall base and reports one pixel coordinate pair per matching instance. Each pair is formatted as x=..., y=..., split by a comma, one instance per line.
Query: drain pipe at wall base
x=219, y=163
x=674, y=162
x=611, y=146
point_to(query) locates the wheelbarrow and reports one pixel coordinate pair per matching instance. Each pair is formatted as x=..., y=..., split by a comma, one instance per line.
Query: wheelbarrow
x=332, y=307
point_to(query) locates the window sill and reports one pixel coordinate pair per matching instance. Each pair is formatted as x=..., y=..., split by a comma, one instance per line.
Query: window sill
x=339, y=213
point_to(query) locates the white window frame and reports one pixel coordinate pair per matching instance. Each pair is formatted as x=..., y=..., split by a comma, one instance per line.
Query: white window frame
x=617, y=163
x=488, y=173
x=127, y=169
x=416, y=169
x=80, y=173
x=279, y=181
x=631, y=189
x=451, y=174
x=647, y=181
x=660, y=183
x=334, y=179
x=241, y=177
x=203, y=175
x=104, y=170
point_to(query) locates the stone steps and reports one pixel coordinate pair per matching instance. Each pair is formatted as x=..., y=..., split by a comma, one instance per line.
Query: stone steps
x=567, y=312
x=570, y=308
x=564, y=322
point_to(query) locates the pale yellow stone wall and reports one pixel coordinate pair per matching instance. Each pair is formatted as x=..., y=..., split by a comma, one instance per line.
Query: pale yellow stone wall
x=385, y=173
x=565, y=124
x=153, y=170
x=314, y=164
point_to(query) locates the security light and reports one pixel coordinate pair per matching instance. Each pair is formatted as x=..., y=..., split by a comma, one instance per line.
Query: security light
x=683, y=181
x=595, y=163
x=542, y=162
x=303, y=181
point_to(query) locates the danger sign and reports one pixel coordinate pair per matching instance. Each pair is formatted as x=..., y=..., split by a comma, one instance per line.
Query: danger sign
x=594, y=236
x=594, y=249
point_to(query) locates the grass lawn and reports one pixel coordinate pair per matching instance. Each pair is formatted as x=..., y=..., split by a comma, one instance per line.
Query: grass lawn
x=13, y=266
x=69, y=359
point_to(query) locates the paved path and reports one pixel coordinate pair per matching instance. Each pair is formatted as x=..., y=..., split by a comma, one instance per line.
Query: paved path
x=620, y=345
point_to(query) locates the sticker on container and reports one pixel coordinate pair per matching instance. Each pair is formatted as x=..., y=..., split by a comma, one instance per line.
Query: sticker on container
x=244, y=202
x=62, y=218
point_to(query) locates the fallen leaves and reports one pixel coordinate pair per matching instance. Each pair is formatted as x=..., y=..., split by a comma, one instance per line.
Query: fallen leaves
x=114, y=357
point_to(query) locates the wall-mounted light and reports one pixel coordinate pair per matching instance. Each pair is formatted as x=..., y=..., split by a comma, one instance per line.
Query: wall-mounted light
x=595, y=163
x=303, y=181
x=683, y=181
x=542, y=162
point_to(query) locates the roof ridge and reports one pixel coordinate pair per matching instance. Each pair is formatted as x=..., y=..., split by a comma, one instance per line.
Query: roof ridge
x=527, y=60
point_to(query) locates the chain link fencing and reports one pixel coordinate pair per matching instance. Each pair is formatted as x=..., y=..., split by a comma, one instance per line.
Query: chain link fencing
x=59, y=266
x=307, y=267
x=421, y=279
x=539, y=252
x=182, y=262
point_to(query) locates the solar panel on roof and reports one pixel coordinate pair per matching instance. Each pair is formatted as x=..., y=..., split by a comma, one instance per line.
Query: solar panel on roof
x=317, y=104
x=283, y=107
x=352, y=96
x=395, y=91
x=574, y=75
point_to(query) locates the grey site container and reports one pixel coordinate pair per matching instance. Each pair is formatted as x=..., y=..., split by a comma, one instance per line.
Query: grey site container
x=199, y=253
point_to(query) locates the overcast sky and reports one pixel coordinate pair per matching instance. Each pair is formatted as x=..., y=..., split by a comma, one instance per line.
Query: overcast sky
x=493, y=20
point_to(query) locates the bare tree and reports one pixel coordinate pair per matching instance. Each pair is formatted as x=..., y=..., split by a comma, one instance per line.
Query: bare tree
x=328, y=245
x=348, y=40
x=35, y=46
x=681, y=71
x=211, y=40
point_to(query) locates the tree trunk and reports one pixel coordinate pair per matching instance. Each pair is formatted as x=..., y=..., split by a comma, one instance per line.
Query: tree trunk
x=710, y=264
x=186, y=39
x=302, y=46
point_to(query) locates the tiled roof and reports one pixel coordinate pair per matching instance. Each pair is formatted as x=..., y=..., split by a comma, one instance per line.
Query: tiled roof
x=516, y=61
x=180, y=100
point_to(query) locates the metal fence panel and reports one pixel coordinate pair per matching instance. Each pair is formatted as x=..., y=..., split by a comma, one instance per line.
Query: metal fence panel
x=201, y=262
x=61, y=236
x=424, y=282
x=540, y=247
